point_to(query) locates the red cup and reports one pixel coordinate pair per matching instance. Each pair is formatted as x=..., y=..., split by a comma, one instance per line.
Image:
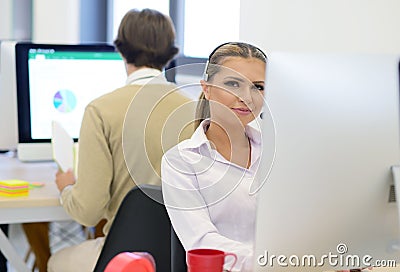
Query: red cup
x=210, y=260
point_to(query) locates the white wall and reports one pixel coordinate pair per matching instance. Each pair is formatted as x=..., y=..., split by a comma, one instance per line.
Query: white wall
x=56, y=21
x=5, y=19
x=322, y=25
x=15, y=19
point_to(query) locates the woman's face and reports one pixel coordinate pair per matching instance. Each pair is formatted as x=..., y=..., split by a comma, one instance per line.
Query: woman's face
x=236, y=92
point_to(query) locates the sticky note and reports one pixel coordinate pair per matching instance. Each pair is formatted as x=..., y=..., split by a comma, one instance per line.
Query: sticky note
x=14, y=188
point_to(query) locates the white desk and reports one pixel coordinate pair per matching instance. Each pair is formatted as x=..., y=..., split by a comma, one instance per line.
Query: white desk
x=41, y=205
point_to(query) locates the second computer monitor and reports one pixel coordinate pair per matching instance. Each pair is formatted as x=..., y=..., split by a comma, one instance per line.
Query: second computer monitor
x=328, y=200
x=56, y=82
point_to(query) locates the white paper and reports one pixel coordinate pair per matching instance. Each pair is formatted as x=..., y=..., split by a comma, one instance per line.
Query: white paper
x=63, y=147
x=76, y=153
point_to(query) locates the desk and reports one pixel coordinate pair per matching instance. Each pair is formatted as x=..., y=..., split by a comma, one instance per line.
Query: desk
x=41, y=205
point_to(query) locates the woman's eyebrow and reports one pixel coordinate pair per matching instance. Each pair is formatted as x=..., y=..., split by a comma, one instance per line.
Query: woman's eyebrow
x=259, y=82
x=236, y=78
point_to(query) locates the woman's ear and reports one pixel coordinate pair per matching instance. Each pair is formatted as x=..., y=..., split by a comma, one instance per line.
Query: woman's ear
x=205, y=88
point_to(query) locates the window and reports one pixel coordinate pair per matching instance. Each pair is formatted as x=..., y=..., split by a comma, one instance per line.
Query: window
x=200, y=25
x=209, y=23
x=120, y=7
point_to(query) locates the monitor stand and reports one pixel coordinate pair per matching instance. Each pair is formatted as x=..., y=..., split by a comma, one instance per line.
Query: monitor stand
x=30, y=152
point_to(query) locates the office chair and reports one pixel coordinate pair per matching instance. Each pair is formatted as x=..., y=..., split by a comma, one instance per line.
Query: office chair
x=140, y=225
x=178, y=254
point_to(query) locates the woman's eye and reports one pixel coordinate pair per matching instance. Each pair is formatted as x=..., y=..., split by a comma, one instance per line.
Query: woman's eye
x=232, y=83
x=259, y=87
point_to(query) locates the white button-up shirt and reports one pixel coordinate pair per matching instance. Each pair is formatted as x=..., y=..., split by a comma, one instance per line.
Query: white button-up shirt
x=207, y=197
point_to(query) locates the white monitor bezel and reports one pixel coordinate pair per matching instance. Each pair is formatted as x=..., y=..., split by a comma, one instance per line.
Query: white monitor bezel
x=8, y=100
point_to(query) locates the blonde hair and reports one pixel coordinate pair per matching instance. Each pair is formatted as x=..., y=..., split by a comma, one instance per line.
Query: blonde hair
x=218, y=56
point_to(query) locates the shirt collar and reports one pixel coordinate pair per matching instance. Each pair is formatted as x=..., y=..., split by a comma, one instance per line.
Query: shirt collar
x=254, y=134
x=146, y=76
x=199, y=137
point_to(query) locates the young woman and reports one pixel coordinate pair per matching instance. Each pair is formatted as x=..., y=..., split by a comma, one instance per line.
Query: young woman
x=206, y=179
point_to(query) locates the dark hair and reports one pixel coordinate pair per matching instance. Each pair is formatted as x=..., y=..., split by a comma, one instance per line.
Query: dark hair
x=217, y=57
x=146, y=38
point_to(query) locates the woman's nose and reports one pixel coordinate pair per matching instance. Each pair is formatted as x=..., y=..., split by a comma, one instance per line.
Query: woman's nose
x=245, y=95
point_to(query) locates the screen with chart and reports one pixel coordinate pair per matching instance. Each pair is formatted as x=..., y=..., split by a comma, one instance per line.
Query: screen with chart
x=56, y=82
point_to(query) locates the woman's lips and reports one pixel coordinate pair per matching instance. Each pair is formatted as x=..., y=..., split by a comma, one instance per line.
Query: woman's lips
x=242, y=111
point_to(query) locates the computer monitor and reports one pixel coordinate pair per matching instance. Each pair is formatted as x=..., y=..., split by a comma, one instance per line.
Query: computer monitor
x=56, y=82
x=8, y=101
x=329, y=199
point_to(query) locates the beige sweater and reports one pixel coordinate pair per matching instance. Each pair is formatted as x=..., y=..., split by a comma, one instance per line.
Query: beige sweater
x=103, y=177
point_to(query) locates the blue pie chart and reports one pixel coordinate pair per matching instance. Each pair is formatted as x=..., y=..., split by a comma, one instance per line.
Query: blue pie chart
x=64, y=101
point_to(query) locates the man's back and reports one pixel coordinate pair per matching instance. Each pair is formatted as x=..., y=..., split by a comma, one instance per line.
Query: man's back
x=121, y=146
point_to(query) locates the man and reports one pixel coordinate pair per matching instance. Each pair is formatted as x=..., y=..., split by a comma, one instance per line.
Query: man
x=146, y=42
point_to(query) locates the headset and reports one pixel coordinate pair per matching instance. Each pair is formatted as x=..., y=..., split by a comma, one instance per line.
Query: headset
x=205, y=75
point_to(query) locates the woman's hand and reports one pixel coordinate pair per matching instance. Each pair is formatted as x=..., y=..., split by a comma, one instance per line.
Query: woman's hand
x=64, y=179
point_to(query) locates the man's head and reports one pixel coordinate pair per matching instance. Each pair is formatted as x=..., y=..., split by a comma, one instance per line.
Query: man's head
x=146, y=38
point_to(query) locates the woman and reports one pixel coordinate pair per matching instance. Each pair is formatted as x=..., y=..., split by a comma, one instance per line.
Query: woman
x=206, y=179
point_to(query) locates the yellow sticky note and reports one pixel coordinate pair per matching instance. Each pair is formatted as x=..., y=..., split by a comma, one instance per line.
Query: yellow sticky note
x=14, y=183
x=14, y=188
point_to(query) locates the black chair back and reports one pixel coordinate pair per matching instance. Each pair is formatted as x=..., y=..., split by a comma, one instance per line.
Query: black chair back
x=140, y=225
x=178, y=254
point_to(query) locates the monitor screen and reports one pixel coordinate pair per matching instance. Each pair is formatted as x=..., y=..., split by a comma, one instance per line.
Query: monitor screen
x=56, y=82
x=327, y=202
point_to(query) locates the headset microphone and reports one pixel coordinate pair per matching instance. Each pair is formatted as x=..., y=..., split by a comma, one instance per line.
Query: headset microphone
x=205, y=75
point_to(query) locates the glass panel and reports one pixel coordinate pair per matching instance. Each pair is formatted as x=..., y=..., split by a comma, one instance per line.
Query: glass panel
x=209, y=23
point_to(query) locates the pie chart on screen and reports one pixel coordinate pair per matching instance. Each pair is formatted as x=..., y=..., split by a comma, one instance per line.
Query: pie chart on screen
x=64, y=101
